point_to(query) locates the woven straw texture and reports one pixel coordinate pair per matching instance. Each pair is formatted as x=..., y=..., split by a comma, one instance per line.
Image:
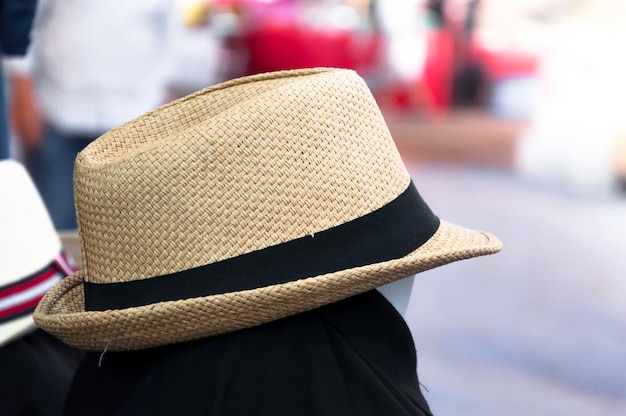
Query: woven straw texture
x=235, y=168
x=249, y=164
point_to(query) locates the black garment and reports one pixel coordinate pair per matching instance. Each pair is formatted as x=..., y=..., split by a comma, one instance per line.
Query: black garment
x=16, y=18
x=35, y=373
x=354, y=357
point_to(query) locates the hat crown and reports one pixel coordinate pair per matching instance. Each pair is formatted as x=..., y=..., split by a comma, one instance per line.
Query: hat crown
x=28, y=240
x=233, y=169
x=28, y=244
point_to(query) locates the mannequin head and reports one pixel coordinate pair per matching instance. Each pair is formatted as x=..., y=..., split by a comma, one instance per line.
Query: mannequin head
x=398, y=293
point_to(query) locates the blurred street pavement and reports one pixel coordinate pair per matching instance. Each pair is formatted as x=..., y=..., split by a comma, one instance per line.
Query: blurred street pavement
x=538, y=329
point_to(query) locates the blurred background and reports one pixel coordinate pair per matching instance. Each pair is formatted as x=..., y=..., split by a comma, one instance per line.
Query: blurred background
x=510, y=117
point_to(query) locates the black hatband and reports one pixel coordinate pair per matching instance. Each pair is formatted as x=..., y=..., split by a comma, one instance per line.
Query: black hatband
x=390, y=232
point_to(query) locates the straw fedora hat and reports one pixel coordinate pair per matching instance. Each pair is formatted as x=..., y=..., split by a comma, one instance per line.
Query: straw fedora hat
x=247, y=202
x=30, y=249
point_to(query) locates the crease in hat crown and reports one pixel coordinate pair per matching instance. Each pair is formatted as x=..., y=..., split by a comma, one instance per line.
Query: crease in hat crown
x=252, y=163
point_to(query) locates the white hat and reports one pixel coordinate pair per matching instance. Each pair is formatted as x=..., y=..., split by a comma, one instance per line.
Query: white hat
x=31, y=260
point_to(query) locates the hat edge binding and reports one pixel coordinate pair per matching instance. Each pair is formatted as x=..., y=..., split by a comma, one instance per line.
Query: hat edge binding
x=69, y=328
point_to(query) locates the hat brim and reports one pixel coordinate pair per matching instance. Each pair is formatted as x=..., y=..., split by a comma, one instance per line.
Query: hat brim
x=62, y=311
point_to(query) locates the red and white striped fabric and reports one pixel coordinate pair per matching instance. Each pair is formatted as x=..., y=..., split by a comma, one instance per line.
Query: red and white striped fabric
x=21, y=297
x=31, y=253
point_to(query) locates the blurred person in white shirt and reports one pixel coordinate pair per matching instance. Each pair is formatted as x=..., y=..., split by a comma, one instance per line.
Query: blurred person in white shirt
x=93, y=64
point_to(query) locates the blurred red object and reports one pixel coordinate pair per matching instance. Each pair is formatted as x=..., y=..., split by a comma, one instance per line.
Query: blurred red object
x=276, y=47
x=280, y=39
x=437, y=77
x=501, y=64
